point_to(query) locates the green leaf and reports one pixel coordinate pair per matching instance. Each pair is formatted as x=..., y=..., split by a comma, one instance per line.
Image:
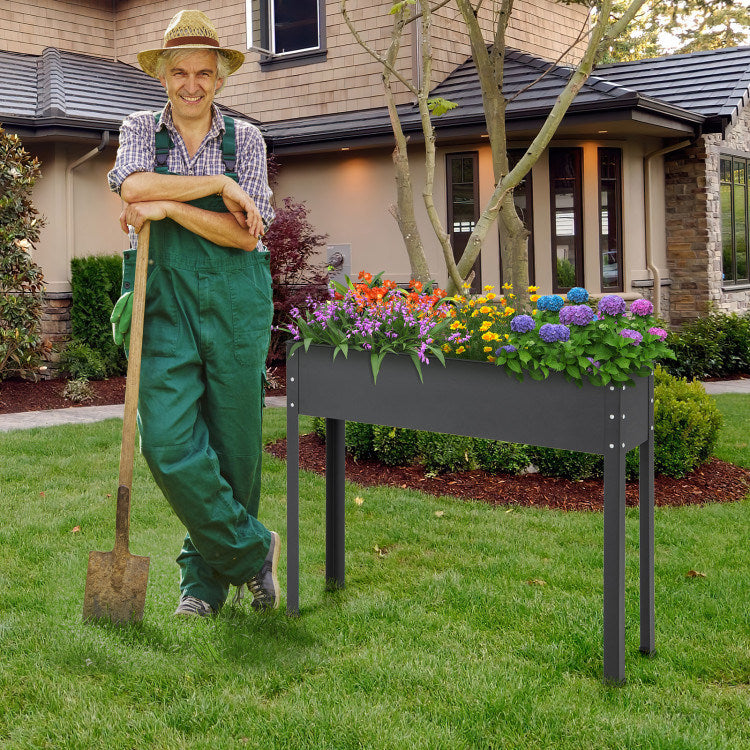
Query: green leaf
x=417, y=364
x=376, y=359
x=400, y=6
x=439, y=106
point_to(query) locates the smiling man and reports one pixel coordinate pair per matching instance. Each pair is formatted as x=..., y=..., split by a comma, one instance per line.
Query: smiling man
x=201, y=180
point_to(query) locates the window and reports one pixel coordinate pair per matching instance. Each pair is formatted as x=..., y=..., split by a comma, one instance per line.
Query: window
x=610, y=219
x=524, y=203
x=567, y=218
x=734, y=220
x=286, y=27
x=463, y=206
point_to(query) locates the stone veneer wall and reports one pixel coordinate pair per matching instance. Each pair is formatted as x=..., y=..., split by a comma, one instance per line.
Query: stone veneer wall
x=56, y=326
x=693, y=225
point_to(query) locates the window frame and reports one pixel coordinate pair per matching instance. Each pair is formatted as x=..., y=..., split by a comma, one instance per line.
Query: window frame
x=734, y=282
x=619, y=287
x=577, y=217
x=514, y=156
x=449, y=157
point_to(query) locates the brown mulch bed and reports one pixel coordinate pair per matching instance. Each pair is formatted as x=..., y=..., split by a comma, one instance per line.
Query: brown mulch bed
x=25, y=395
x=716, y=481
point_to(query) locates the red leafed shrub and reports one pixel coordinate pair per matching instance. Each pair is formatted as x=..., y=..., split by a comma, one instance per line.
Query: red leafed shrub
x=293, y=243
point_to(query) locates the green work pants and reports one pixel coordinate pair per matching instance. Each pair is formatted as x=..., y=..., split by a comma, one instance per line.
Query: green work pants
x=205, y=340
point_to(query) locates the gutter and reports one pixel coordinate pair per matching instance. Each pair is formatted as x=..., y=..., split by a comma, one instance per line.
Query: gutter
x=69, y=218
x=648, y=162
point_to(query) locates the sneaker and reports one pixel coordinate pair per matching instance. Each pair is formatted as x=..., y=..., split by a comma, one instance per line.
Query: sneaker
x=264, y=586
x=191, y=606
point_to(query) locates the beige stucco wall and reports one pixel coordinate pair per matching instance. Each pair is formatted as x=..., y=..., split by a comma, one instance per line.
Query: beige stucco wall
x=94, y=211
x=349, y=194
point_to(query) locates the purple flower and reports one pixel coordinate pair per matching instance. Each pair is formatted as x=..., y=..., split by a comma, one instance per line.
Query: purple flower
x=522, y=324
x=551, y=302
x=577, y=295
x=579, y=315
x=551, y=332
x=612, y=305
x=595, y=364
x=506, y=348
x=641, y=307
x=629, y=333
x=660, y=333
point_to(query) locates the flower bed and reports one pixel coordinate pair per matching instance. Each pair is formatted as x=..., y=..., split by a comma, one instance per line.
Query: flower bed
x=603, y=344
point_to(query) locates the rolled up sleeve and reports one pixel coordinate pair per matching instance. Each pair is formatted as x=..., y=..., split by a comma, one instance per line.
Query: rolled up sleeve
x=252, y=170
x=136, y=150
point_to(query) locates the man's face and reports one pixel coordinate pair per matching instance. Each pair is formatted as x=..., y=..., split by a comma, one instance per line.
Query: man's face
x=191, y=85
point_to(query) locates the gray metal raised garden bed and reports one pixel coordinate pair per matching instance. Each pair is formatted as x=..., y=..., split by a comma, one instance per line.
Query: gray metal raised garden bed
x=481, y=400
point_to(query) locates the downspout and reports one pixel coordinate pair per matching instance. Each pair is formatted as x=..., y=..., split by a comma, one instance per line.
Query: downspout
x=648, y=161
x=70, y=226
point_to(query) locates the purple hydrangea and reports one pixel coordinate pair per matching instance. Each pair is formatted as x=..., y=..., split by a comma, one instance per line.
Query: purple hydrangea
x=522, y=324
x=551, y=332
x=660, y=333
x=551, y=302
x=579, y=315
x=577, y=295
x=506, y=348
x=612, y=305
x=635, y=336
x=641, y=307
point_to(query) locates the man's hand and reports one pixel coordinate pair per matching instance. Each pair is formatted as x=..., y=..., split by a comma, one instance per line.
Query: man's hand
x=242, y=207
x=136, y=214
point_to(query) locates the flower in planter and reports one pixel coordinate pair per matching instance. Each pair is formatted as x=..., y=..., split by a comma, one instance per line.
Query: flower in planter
x=550, y=302
x=641, y=307
x=579, y=315
x=635, y=336
x=551, y=332
x=612, y=305
x=522, y=324
x=577, y=295
x=660, y=333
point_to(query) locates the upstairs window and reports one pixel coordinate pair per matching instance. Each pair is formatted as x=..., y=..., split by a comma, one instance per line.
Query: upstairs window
x=735, y=248
x=285, y=27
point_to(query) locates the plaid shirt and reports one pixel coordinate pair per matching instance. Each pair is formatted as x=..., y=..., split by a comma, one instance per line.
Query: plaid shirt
x=137, y=154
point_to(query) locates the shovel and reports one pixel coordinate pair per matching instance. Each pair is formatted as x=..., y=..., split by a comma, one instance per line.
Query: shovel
x=116, y=581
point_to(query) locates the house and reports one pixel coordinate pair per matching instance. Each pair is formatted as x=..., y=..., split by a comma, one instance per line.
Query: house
x=644, y=187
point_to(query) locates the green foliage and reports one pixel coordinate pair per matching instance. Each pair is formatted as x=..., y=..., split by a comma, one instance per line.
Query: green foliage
x=439, y=106
x=566, y=273
x=439, y=452
x=394, y=446
x=359, y=439
x=80, y=360
x=686, y=425
x=498, y=457
x=717, y=345
x=79, y=391
x=556, y=462
x=96, y=282
x=21, y=279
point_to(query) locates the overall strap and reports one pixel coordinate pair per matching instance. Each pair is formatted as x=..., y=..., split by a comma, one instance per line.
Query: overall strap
x=229, y=149
x=163, y=145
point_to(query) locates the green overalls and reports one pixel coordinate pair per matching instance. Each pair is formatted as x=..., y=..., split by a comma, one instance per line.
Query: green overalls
x=205, y=341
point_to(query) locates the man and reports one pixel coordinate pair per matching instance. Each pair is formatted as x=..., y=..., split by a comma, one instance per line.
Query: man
x=201, y=181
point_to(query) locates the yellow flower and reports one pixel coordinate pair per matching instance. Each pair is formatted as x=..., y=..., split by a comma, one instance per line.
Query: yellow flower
x=508, y=311
x=488, y=287
x=534, y=312
x=503, y=301
x=491, y=296
x=489, y=336
x=485, y=310
x=475, y=313
x=460, y=350
x=481, y=300
x=491, y=359
x=533, y=289
x=507, y=337
x=487, y=349
x=465, y=285
x=456, y=325
x=534, y=297
x=508, y=287
x=511, y=296
x=486, y=325
x=446, y=348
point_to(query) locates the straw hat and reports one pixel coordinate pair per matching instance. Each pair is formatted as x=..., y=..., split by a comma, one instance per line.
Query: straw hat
x=189, y=29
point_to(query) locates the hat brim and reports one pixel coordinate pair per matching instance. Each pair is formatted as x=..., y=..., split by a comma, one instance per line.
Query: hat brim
x=147, y=60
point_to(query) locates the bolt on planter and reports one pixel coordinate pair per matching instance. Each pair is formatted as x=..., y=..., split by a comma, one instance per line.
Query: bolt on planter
x=481, y=400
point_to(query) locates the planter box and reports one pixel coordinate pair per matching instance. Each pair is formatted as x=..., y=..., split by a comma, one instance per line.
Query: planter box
x=481, y=400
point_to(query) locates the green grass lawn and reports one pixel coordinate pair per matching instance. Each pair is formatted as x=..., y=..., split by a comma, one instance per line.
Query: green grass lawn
x=462, y=625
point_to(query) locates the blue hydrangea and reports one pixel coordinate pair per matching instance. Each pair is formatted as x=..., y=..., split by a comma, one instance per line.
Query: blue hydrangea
x=551, y=332
x=612, y=305
x=506, y=348
x=522, y=324
x=579, y=315
x=551, y=302
x=577, y=295
x=635, y=336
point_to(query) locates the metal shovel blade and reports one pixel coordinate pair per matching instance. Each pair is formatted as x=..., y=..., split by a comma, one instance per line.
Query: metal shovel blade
x=115, y=586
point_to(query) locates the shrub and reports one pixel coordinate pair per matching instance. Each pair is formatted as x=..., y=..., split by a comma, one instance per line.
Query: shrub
x=81, y=361
x=556, y=462
x=394, y=446
x=292, y=241
x=439, y=452
x=497, y=457
x=359, y=440
x=686, y=425
x=78, y=391
x=96, y=282
x=21, y=280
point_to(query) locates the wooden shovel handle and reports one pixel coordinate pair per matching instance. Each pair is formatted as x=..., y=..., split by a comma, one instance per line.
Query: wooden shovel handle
x=127, y=449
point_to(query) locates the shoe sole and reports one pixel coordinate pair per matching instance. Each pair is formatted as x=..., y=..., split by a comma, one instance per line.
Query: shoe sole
x=274, y=570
